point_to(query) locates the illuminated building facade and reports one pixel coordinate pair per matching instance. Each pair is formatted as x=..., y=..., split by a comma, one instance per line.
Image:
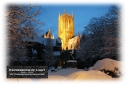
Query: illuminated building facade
x=66, y=32
x=74, y=43
x=65, y=28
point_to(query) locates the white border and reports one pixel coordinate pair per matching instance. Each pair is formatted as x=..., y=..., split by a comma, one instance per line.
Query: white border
x=124, y=38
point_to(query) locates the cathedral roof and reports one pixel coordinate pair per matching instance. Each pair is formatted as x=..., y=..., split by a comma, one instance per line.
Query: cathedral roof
x=44, y=40
x=48, y=34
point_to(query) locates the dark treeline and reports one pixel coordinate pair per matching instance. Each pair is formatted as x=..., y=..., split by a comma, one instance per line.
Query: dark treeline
x=100, y=39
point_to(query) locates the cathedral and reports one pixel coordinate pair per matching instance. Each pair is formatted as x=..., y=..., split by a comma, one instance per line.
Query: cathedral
x=66, y=40
x=66, y=32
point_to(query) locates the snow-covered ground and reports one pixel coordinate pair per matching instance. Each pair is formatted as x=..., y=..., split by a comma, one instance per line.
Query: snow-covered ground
x=74, y=74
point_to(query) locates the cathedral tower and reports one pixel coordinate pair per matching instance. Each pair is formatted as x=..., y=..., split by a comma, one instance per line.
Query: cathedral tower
x=48, y=34
x=65, y=28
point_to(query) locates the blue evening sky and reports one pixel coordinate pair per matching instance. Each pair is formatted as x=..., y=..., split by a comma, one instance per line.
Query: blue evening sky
x=82, y=15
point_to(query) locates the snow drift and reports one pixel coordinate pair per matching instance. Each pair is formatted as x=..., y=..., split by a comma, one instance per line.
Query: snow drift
x=108, y=65
x=88, y=75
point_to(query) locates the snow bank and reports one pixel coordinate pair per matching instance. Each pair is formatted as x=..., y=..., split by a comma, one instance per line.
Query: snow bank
x=88, y=75
x=109, y=67
x=107, y=64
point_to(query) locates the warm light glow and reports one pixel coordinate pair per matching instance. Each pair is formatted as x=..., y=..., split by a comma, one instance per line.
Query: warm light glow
x=74, y=43
x=65, y=29
x=66, y=32
x=49, y=35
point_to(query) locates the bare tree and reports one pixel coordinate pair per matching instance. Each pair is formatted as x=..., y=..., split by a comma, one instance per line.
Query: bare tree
x=111, y=34
x=20, y=19
x=101, y=38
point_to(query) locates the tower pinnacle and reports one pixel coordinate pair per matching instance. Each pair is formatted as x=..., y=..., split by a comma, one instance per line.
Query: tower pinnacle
x=64, y=11
x=72, y=14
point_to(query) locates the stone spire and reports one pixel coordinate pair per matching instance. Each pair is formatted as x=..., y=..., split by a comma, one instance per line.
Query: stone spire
x=72, y=14
x=64, y=11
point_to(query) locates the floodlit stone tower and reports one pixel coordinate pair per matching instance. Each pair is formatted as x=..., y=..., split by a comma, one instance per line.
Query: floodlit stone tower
x=49, y=35
x=65, y=29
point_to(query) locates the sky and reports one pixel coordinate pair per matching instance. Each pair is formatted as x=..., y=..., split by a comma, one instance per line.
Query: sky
x=82, y=15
